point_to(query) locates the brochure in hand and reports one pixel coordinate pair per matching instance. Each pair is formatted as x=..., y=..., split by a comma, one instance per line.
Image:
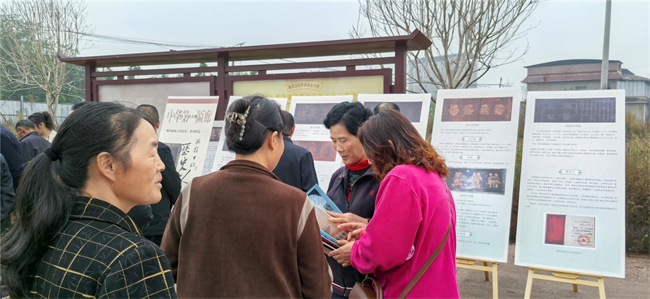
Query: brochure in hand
x=319, y=198
x=328, y=241
x=326, y=226
x=322, y=204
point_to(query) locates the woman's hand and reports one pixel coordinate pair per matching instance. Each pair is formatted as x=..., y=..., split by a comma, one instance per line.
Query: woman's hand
x=342, y=255
x=337, y=218
x=354, y=229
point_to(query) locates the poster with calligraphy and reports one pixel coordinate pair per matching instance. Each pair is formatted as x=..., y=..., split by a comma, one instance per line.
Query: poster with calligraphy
x=222, y=155
x=572, y=193
x=186, y=128
x=309, y=114
x=414, y=106
x=476, y=131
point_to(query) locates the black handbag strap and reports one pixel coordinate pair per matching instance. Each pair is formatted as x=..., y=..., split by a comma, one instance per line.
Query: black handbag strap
x=431, y=259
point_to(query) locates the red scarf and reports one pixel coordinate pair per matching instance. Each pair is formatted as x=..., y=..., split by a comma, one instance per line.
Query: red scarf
x=359, y=166
x=356, y=167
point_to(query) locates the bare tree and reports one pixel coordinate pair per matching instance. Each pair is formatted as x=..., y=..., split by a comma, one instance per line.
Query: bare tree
x=34, y=33
x=470, y=37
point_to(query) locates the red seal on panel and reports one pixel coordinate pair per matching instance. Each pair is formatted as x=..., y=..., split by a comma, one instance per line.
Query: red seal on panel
x=583, y=240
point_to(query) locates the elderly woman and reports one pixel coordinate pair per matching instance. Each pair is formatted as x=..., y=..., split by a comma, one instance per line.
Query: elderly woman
x=353, y=187
x=240, y=232
x=414, y=223
x=73, y=237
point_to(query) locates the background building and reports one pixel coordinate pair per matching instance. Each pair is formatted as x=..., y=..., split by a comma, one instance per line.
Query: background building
x=584, y=74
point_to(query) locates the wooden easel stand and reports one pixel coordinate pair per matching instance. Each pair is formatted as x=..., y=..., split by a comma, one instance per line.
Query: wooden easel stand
x=467, y=263
x=564, y=277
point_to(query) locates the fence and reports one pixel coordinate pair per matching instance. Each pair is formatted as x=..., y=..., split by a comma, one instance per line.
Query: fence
x=11, y=110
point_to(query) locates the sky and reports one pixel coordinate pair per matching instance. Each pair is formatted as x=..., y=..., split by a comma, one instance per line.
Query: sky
x=561, y=29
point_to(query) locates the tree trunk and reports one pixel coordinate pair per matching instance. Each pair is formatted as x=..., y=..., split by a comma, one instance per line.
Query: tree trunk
x=52, y=105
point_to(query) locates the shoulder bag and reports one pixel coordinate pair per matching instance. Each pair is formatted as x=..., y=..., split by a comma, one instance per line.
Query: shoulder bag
x=365, y=289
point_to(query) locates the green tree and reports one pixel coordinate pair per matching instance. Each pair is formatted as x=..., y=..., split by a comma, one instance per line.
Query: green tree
x=133, y=68
x=34, y=33
x=106, y=69
x=201, y=74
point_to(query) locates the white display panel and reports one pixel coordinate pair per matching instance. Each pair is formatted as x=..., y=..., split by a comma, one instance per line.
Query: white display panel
x=572, y=195
x=186, y=127
x=213, y=145
x=309, y=114
x=475, y=130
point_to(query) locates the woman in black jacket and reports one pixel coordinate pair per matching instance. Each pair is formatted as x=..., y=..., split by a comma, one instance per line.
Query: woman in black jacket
x=352, y=187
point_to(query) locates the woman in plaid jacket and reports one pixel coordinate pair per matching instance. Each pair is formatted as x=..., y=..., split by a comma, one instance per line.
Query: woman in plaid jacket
x=73, y=237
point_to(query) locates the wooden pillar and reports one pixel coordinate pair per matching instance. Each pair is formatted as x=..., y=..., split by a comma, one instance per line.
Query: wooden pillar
x=90, y=67
x=222, y=62
x=400, y=68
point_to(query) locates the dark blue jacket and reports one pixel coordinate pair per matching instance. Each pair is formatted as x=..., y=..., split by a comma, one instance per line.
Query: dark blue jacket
x=10, y=149
x=32, y=145
x=296, y=167
x=7, y=201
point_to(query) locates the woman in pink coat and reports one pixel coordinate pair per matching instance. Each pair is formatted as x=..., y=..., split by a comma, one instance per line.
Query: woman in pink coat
x=414, y=213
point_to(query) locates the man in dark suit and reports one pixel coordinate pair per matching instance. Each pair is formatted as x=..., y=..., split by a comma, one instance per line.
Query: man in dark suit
x=296, y=166
x=171, y=182
x=385, y=106
x=31, y=144
x=10, y=149
x=7, y=194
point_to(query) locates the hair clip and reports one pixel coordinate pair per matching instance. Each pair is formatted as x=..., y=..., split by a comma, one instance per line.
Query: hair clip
x=243, y=123
x=239, y=119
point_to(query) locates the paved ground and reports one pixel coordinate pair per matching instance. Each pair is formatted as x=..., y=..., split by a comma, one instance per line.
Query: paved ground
x=512, y=282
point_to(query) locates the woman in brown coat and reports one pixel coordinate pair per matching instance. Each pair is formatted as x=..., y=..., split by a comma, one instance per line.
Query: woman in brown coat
x=240, y=232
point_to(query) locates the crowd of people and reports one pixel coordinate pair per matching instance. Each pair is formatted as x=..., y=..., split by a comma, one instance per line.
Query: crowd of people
x=98, y=209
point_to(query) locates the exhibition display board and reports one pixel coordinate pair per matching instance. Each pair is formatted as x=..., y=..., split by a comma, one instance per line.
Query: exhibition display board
x=288, y=88
x=476, y=132
x=572, y=195
x=414, y=106
x=213, y=145
x=155, y=94
x=186, y=127
x=309, y=114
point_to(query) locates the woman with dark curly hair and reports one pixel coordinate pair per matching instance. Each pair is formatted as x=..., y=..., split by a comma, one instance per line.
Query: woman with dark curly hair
x=415, y=217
